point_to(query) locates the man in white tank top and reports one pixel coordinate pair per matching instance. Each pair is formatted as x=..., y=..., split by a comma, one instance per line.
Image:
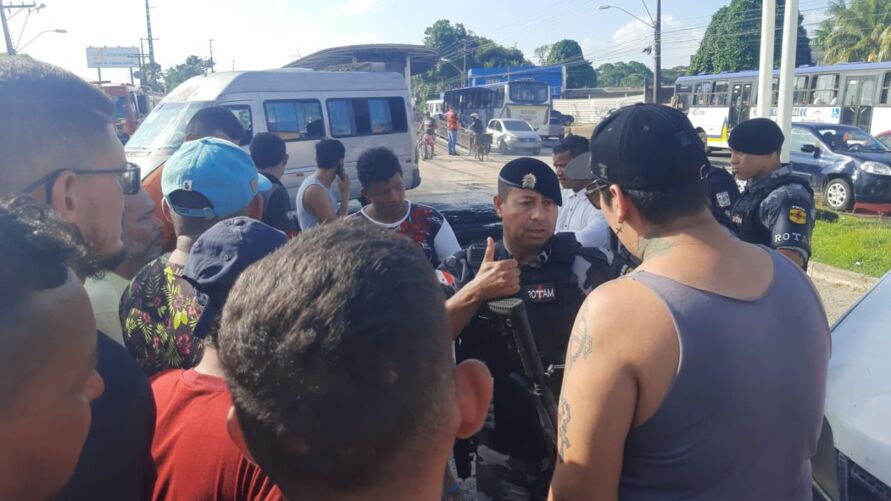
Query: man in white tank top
x=702, y=374
x=315, y=202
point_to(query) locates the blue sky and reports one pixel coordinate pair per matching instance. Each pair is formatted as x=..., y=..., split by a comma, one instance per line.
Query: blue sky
x=270, y=33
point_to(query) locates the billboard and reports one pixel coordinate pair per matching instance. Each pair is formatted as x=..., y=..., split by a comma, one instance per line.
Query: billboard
x=112, y=57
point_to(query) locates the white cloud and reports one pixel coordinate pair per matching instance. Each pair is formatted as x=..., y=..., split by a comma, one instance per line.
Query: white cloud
x=356, y=7
x=679, y=42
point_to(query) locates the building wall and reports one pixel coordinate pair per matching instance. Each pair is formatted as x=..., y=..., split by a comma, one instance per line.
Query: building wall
x=593, y=110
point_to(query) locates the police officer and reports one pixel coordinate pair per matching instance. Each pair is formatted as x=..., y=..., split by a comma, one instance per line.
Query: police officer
x=551, y=274
x=722, y=189
x=777, y=207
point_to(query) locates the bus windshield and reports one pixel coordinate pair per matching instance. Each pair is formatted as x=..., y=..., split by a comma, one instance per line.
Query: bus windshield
x=529, y=92
x=165, y=127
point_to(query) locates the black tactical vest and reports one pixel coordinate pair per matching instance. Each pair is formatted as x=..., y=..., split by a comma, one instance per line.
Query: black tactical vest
x=552, y=301
x=745, y=212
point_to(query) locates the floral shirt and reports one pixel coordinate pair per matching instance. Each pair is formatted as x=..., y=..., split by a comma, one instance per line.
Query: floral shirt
x=159, y=312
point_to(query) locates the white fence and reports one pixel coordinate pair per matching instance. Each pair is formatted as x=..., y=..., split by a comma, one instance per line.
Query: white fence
x=592, y=110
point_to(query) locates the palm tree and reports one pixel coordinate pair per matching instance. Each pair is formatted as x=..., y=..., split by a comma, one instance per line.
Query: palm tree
x=859, y=32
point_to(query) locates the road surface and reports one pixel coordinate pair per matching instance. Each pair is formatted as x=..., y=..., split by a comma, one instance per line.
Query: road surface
x=462, y=181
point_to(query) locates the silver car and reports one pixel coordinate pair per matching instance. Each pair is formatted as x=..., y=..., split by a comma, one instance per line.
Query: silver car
x=513, y=135
x=853, y=459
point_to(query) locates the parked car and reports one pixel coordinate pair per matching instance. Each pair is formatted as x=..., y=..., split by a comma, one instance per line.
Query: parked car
x=554, y=129
x=885, y=138
x=847, y=165
x=510, y=134
x=853, y=459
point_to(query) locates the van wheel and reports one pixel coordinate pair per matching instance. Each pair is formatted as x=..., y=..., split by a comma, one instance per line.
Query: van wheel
x=839, y=194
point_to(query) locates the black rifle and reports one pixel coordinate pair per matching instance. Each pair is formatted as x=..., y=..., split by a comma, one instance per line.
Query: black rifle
x=513, y=316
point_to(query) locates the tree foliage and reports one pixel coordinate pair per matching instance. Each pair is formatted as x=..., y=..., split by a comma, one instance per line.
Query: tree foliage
x=732, y=41
x=579, y=72
x=178, y=74
x=622, y=74
x=148, y=76
x=450, y=41
x=541, y=54
x=859, y=32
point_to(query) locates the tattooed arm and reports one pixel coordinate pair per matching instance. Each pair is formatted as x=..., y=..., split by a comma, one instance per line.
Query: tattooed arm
x=598, y=400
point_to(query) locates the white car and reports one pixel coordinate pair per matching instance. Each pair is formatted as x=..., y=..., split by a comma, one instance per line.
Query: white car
x=513, y=135
x=853, y=459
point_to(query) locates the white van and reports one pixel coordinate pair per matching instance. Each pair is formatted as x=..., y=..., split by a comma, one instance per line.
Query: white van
x=362, y=110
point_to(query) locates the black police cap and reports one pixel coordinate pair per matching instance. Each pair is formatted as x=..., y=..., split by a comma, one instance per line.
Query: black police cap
x=647, y=147
x=758, y=136
x=531, y=174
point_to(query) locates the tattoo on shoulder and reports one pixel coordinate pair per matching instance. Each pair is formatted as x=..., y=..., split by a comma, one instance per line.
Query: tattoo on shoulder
x=580, y=342
x=653, y=245
x=563, y=428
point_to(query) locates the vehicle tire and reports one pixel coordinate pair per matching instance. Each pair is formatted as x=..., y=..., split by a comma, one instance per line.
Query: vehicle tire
x=502, y=147
x=839, y=195
x=536, y=152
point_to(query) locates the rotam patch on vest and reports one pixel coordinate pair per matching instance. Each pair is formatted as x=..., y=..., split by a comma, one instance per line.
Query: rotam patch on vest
x=540, y=293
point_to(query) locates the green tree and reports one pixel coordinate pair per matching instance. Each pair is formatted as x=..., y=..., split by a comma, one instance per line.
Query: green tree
x=579, y=72
x=670, y=75
x=178, y=74
x=732, y=41
x=450, y=40
x=148, y=76
x=859, y=32
x=541, y=54
x=622, y=74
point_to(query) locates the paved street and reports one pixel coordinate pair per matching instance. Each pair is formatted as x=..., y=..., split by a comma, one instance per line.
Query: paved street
x=462, y=180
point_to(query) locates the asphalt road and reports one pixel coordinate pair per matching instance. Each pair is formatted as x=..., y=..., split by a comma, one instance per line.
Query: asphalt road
x=462, y=180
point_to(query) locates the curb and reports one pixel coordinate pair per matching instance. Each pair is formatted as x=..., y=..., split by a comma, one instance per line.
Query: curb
x=835, y=276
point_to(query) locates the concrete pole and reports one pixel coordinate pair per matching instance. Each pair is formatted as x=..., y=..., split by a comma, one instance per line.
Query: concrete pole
x=408, y=75
x=765, y=68
x=787, y=74
x=9, y=47
x=657, y=67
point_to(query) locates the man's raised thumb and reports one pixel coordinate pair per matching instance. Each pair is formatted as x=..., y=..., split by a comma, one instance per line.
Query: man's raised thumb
x=490, y=250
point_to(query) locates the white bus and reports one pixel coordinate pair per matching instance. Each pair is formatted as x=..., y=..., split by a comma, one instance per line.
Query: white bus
x=526, y=100
x=850, y=94
x=435, y=107
x=362, y=110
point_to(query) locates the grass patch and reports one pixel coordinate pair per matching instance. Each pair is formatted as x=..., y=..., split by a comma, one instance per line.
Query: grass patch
x=855, y=243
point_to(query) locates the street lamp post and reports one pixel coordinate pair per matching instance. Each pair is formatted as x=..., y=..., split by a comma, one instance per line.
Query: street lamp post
x=22, y=47
x=656, y=25
x=463, y=82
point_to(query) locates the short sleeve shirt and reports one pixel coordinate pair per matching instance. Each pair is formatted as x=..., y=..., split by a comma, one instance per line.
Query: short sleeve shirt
x=158, y=313
x=452, y=120
x=427, y=228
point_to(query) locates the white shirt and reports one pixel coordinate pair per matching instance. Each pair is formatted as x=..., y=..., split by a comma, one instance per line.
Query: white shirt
x=105, y=296
x=578, y=216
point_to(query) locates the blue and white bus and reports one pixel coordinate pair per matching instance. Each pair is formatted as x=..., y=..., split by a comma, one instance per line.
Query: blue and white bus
x=850, y=94
x=526, y=100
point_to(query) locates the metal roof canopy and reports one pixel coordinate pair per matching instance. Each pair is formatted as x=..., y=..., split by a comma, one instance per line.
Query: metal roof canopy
x=422, y=57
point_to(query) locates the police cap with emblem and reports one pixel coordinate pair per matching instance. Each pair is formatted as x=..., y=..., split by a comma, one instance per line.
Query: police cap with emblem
x=531, y=174
x=758, y=136
x=647, y=147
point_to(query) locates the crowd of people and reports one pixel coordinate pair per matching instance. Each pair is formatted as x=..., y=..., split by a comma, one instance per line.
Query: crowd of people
x=212, y=347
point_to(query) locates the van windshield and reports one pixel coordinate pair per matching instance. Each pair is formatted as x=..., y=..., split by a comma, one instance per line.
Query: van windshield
x=165, y=126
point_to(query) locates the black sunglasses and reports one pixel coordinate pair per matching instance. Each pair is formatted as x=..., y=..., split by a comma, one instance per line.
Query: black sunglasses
x=592, y=190
x=129, y=177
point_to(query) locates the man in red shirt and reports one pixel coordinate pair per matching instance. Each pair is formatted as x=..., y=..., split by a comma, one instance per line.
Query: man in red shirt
x=193, y=454
x=452, y=122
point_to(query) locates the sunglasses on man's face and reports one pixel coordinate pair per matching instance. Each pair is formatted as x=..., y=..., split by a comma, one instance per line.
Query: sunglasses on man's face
x=129, y=177
x=592, y=192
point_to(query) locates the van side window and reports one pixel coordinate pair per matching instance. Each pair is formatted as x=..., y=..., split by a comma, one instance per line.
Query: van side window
x=365, y=116
x=295, y=120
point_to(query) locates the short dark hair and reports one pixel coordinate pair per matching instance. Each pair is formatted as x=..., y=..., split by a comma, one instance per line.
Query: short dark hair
x=329, y=153
x=268, y=150
x=49, y=119
x=36, y=249
x=661, y=207
x=187, y=225
x=575, y=145
x=377, y=165
x=212, y=119
x=317, y=347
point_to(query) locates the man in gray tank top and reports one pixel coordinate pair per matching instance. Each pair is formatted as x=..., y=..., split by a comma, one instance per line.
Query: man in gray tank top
x=702, y=374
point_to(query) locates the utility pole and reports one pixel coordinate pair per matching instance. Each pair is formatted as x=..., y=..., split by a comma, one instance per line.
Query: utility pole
x=10, y=49
x=765, y=68
x=151, y=45
x=464, y=74
x=657, y=67
x=211, y=56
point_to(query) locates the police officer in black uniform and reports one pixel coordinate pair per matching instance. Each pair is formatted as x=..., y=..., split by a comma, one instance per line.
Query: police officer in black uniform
x=722, y=189
x=551, y=274
x=777, y=208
